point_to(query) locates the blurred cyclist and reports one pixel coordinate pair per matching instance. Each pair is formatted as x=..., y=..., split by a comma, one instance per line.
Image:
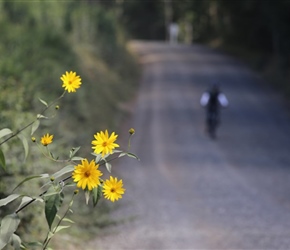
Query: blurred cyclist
x=213, y=99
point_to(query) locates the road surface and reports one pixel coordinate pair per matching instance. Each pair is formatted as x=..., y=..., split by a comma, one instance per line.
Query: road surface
x=191, y=192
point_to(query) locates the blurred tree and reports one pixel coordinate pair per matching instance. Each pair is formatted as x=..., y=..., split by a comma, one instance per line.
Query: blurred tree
x=260, y=28
x=144, y=19
x=258, y=24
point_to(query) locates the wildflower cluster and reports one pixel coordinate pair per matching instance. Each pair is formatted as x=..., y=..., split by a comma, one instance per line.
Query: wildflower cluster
x=85, y=173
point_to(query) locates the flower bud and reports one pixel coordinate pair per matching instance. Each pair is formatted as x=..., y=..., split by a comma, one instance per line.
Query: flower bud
x=33, y=139
x=76, y=191
x=131, y=131
x=52, y=179
x=57, y=107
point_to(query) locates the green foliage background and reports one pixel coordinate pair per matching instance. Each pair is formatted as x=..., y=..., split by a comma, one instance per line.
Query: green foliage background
x=39, y=41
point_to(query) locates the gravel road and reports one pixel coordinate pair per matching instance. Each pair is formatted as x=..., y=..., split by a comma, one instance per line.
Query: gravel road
x=191, y=192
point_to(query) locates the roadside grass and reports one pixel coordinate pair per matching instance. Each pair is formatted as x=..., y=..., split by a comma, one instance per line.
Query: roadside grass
x=36, y=48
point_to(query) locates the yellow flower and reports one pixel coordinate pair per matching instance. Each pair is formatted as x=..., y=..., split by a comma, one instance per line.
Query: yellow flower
x=46, y=139
x=113, y=189
x=71, y=81
x=87, y=175
x=103, y=143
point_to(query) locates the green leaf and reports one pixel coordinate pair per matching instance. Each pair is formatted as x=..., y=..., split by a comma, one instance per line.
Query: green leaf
x=116, y=151
x=109, y=167
x=5, y=131
x=73, y=151
x=70, y=184
x=53, y=190
x=25, y=145
x=2, y=160
x=52, y=205
x=45, y=196
x=77, y=158
x=9, y=225
x=48, y=238
x=67, y=220
x=10, y=198
x=34, y=244
x=60, y=228
x=39, y=116
x=30, y=178
x=34, y=126
x=129, y=154
x=27, y=199
x=64, y=170
x=16, y=242
x=122, y=154
x=98, y=157
x=43, y=102
x=133, y=156
x=87, y=196
x=51, y=154
x=97, y=194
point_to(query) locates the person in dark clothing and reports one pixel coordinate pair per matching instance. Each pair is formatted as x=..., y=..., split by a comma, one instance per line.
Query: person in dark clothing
x=212, y=100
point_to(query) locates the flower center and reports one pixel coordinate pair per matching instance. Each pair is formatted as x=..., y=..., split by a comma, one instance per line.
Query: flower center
x=69, y=82
x=87, y=174
x=104, y=144
x=112, y=190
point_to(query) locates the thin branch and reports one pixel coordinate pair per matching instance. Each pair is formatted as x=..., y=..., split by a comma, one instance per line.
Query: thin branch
x=29, y=124
x=47, y=240
x=61, y=181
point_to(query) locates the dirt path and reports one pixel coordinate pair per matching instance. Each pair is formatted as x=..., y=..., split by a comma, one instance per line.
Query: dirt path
x=189, y=192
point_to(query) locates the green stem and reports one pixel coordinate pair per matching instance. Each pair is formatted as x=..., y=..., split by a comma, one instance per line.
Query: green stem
x=20, y=130
x=33, y=200
x=29, y=124
x=63, y=180
x=47, y=239
x=129, y=143
x=28, y=203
